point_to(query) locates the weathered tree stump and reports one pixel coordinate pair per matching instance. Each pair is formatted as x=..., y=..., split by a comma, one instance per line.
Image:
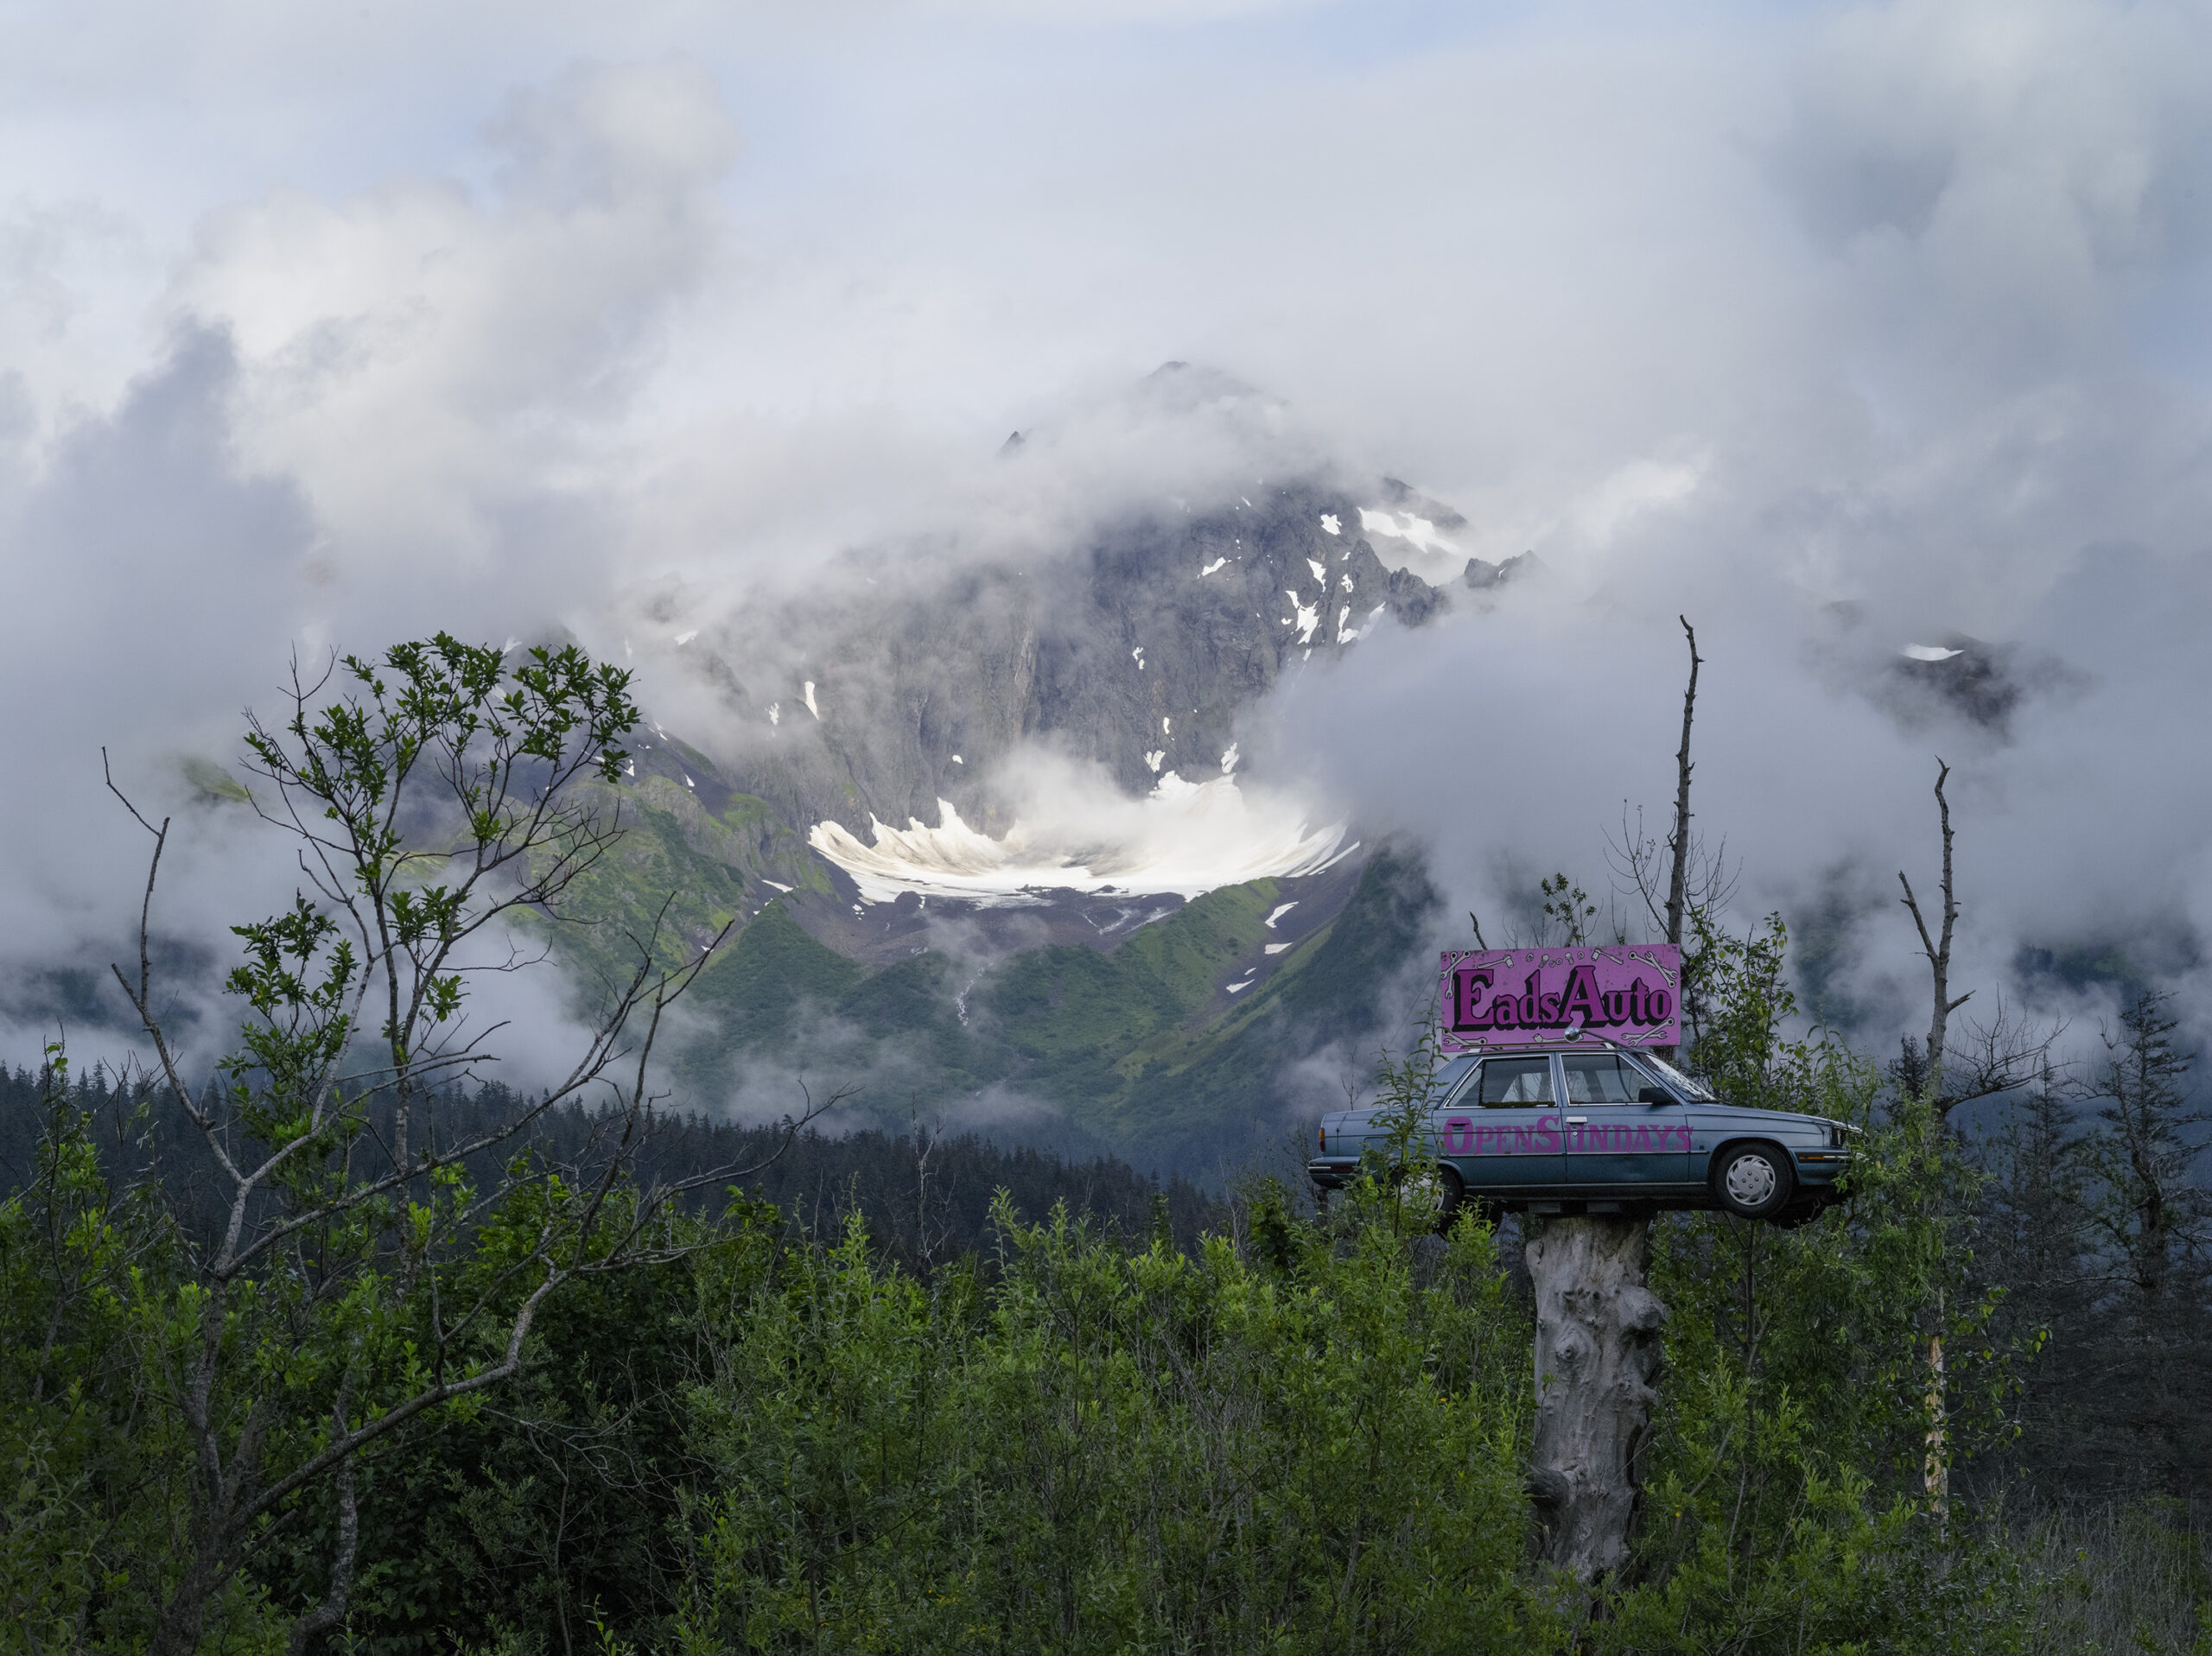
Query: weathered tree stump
x=1597, y=1360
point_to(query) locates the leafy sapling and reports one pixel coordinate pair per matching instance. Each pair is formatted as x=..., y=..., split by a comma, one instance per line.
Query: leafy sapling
x=358, y=1277
x=1403, y=1173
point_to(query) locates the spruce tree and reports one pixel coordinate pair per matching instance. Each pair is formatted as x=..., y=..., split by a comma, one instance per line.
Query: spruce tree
x=2148, y=1216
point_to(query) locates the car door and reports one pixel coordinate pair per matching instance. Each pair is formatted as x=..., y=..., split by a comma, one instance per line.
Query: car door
x=1502, y=1129
x=1609, y=1137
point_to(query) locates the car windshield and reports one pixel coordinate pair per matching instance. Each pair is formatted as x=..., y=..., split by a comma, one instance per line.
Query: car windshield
x=1674, y=1078
x=1600, y=1078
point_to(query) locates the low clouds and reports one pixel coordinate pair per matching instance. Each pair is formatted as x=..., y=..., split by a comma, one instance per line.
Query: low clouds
x=1840, y=329
x=1995, y=166
x=144, y=587
x=366, y=419
x=443, y=368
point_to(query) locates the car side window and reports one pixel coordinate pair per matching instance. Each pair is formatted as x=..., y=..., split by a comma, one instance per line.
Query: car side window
x=1516, y=1081
x=1600, y=1078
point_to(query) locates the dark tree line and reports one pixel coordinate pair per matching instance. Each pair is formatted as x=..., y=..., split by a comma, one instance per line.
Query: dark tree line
x=927, y=1195
x=2094, y=1221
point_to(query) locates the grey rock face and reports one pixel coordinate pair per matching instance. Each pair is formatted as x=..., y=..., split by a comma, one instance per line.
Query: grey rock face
x=1137, y=649
x=1482, y=576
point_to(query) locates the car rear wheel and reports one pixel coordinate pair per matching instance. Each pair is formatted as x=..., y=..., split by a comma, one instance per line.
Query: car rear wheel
x=1753, y=1181
x=1452, y=1190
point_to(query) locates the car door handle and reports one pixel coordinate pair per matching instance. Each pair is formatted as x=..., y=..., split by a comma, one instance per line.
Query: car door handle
x=1576, y=1120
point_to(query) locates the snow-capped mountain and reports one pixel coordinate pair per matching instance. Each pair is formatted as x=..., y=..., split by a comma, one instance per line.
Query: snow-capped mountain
x=851, y=811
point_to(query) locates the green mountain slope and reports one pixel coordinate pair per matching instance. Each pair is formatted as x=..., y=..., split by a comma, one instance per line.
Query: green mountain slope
x=707, y=868
x=1157, y=1032
x=1143, y=1048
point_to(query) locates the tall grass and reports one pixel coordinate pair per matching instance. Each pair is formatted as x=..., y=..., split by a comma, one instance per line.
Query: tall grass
x=2131, y=1576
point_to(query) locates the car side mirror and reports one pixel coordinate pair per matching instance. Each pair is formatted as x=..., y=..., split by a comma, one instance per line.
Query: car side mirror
x=1655, y=1095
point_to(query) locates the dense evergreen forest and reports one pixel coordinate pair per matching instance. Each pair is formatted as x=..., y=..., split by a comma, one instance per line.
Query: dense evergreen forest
x=903, y=1394
x=331, y=1348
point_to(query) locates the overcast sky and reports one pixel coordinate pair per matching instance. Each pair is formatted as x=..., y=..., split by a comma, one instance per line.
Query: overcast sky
x=326, y=325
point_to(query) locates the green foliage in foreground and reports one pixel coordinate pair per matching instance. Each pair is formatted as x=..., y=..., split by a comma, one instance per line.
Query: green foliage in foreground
x=1085, y=1449
x=1299, y=1433
x=1306, y=1435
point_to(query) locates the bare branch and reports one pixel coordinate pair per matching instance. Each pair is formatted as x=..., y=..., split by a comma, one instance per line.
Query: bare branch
x=2003, y=1056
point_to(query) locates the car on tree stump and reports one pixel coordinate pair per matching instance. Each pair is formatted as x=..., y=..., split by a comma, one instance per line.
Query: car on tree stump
x=1600, y=1130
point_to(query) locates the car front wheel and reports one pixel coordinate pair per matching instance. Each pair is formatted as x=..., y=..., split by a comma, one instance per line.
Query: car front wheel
x=1753, y=1181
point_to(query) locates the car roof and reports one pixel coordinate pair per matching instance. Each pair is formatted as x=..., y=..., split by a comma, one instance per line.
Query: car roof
x=1598, y=1043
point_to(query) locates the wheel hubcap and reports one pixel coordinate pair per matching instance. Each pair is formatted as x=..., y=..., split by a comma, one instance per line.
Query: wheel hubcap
x=1751, y=1180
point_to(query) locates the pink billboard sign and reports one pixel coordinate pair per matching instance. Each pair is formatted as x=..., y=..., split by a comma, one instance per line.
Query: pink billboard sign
x=1625, y=995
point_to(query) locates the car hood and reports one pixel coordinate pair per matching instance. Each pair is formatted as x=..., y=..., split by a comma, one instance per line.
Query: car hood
x=1732, y=1117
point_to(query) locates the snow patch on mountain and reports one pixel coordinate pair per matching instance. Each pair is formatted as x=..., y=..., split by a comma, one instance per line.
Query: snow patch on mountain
x=1184, y=837
x=1419, y=532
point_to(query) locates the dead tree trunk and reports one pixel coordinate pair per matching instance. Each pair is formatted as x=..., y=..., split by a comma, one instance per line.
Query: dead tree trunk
x=1597, y=1368
x=1935, y=1472
x=1678, y=843
x=1938, y=951
x=1679, y=846
x=1597, y=1325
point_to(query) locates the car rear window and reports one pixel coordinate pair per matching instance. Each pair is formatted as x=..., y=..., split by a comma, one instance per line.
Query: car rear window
x=1448, y=1078
x=1517, y=1080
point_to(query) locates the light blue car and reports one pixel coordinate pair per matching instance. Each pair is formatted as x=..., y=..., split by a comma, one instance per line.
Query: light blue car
x=1603, y=1130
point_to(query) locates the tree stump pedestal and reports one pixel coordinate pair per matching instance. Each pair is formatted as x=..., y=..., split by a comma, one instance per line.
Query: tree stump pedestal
x=1598, y=1360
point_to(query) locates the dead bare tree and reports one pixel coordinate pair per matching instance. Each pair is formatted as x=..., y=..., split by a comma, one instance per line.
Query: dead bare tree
x=1938, y=950
x=1597, y=1351
x=359, y=1279
x=1697, y=879
x=1936, y=1464
x=2003, y=1055
x=1678, y=844
x=930, y=1227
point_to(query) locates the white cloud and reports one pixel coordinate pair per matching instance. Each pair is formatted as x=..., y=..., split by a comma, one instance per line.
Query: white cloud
x=423, y=355
x=338, y=327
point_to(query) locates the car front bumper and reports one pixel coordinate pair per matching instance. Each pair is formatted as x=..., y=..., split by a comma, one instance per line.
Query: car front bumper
x=1821, y=1167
